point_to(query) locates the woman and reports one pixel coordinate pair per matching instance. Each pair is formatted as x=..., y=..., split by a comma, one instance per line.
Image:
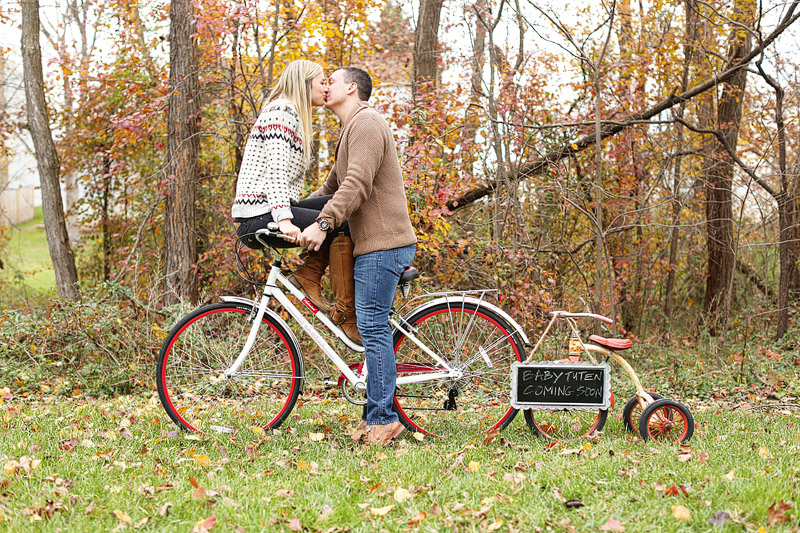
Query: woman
x=276, y=157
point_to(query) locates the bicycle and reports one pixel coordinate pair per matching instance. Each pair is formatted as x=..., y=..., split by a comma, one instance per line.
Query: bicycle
x=648, y=413
x=237, y=366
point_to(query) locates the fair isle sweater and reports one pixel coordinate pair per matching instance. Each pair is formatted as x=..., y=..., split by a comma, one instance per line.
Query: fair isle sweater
x=367, y=185
x=272, y=169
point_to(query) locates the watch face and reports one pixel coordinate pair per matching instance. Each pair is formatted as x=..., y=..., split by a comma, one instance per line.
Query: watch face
x=324, y=225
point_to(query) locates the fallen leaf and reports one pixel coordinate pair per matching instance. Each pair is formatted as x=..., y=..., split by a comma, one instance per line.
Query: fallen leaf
x=381, y=511
x=294, y=524
x=164, y=509
x=776, y=512
x=122, y=517
x=202, y=460
x=729, y=475
x=202, y=526
x=679, y=512
x=419, y=436
x=703, y=457
x=284, y=493
x=491, y=436
x=401, y=495
x=764, y=453
x=497, y=524
x=303, y=466
x=193, y=482
x=612, y=525
x=418, y=518
x=199, y=494
x=474, y=466
x=574, y=503
x=719, y=518
x=316, y=437
x=325, y=513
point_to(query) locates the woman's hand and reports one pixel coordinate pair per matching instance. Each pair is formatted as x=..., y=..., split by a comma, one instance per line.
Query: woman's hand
x=291, y=231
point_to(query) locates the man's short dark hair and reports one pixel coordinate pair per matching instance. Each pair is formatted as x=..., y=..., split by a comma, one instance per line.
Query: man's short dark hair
x=361, y=78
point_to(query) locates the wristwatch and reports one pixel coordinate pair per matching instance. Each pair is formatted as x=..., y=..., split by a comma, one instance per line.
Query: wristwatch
x=323, y=224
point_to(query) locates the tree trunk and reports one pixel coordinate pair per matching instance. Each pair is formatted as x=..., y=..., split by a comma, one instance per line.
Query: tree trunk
x=719, y=177
x=426, y=44
x=46, y=155
x=180, y=242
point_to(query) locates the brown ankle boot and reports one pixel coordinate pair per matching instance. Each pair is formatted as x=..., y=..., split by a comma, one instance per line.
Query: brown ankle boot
x=344, y=288
x=309, y=276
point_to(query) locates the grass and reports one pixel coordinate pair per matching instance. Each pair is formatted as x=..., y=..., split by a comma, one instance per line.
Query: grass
x=100, y=465
x=28, y=270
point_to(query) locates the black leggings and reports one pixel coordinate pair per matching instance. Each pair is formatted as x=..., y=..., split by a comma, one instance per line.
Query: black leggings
x=305, y=213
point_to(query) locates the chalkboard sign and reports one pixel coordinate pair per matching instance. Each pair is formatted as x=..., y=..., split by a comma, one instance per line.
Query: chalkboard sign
x=560, y=385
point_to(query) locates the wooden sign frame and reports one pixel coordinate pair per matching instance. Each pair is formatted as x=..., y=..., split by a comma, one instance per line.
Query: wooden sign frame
x=552, y=385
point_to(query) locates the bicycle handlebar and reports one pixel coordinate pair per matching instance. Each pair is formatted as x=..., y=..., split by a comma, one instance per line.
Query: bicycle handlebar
x=567, y=314
x=273, y=230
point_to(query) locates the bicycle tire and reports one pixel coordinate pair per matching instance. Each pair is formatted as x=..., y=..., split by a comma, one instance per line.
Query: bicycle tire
x=565, y=424
x=666, y=420
x=189, y=373
x=633, y=412
x=468, y=336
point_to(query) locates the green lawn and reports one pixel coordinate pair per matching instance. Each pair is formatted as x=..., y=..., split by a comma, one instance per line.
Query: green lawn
x=28, y=270
x=103, y=465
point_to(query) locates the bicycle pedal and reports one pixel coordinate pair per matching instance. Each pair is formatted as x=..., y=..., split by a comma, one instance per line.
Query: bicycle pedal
x=329, y=384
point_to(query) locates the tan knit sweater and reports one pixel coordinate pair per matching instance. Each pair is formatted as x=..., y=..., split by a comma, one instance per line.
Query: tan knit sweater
x=367, y=185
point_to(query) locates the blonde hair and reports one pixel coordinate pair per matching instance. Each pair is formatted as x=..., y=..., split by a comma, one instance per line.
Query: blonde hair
x=295, y=85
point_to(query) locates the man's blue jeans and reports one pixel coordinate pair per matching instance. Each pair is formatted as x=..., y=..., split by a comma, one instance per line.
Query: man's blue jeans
x=376, y=277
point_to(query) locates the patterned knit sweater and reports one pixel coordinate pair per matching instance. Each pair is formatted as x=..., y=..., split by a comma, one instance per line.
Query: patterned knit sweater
x=272, y=167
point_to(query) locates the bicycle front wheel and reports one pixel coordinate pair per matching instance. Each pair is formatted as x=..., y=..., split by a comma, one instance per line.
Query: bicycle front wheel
x=191, y=367
x=472, y=339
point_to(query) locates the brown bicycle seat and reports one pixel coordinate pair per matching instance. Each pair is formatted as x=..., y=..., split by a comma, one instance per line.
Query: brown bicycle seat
x=611, y=344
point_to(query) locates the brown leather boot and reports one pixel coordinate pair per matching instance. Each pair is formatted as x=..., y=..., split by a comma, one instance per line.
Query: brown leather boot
x=343, y=285
x=309, y=276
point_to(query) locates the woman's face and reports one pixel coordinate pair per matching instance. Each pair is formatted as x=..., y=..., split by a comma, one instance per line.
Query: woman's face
x=319, y=90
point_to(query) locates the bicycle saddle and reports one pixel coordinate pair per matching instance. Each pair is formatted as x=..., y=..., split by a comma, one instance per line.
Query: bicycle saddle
x=409, y=274
x=612, y=344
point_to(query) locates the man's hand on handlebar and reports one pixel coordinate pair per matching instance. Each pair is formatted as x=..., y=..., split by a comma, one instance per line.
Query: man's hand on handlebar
x=312, y=237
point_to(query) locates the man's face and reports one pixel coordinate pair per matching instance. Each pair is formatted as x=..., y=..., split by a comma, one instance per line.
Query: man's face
x=337, y=89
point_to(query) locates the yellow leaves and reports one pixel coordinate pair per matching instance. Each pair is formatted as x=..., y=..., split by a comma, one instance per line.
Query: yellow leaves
x=303, y=466
x=202, y=460
x=381, y=511
x=474, y=466
x=729, y=475
x=419, y=436
x=764, y=453
x=401, y=495
x=316, y=437
x=680, y=513
x=25, y=464
x=123, y=517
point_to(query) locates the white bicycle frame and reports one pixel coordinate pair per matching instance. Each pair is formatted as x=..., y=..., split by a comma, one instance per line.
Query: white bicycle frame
x=273, y=290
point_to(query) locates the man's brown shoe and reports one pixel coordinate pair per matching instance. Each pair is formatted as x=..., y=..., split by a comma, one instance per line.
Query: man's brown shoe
x=383, y=433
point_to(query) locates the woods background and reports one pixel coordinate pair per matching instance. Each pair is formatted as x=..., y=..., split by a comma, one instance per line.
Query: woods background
x=643, y=157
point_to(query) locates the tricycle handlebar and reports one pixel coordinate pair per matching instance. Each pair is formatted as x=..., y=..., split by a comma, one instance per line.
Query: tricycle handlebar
x=567, y=314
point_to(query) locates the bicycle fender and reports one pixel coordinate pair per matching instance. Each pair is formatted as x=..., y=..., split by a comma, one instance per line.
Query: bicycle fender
x=482, y=303
x=277, y=318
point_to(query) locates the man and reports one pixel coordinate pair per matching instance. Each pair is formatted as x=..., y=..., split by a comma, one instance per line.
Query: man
x=368, y=193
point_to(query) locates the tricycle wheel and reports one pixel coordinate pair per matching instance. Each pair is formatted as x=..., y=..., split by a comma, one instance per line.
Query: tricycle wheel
x=666, y=420
x=633, y=411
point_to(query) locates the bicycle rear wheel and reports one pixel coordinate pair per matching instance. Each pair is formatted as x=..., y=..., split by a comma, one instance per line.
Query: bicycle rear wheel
x=191, y=369
x=472, y=338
